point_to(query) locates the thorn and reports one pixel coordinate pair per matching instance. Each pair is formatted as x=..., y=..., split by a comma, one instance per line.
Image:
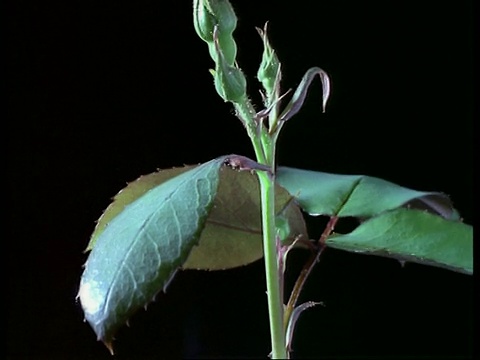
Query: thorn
x=109, y=346
x=402, y=263
x=264, y=98
x=165, y=286
x=127, y=323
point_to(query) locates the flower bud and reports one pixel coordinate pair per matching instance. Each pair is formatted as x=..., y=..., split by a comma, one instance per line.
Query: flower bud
x=203, y=21
x=230, y=83
x=214, y=22
x=269, y=72
x=227, y=46
x=211, y=14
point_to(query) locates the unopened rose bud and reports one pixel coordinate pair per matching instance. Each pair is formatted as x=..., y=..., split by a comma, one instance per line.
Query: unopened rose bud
x=269, y=72
x=209, y=15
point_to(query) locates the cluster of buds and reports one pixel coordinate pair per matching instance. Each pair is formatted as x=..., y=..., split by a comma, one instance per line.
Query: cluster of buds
x=214, y=22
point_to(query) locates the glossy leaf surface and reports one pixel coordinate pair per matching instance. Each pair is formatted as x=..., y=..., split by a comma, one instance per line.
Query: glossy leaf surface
x=232, y=234
x=320, y=193
x=140, y=249
x=412, y=235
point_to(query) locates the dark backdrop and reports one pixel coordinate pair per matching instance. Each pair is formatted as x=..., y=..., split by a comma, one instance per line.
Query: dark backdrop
x=100, y=92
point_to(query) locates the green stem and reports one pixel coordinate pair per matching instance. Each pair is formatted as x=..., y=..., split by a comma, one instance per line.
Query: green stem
x=264, y=146
x=275, y=302
x=246, y=114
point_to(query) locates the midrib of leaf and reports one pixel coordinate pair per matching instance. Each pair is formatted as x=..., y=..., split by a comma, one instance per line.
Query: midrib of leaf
x=139, y=234
x=233, y=227
x=349, y=195
x=245, y=228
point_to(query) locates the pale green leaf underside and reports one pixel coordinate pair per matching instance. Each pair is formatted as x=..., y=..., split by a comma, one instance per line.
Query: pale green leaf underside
x=415, y=236
x=232, y=234
x=140, y=249
x=320, y=193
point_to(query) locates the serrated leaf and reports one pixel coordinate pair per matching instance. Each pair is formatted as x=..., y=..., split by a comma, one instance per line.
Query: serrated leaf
x=320, y=193
x=132, y=192
x=234, y=223
x=412, y=235
x=141, y=248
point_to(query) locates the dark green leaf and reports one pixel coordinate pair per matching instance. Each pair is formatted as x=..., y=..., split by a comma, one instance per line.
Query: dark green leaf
x=141, y=248
x=412, y=235
x=320, y=193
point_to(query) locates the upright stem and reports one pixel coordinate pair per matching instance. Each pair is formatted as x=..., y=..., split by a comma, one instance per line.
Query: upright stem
x=275, y=302
x=246, y=113
x=264, y=146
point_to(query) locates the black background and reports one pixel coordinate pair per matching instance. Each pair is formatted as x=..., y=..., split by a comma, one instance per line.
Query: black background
x=100, y=92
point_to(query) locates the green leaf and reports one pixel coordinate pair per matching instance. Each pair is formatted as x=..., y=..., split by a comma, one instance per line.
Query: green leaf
x=320, y=193
x=132, y=192
x=233, y=225
x=412, y=235
x=140, y=249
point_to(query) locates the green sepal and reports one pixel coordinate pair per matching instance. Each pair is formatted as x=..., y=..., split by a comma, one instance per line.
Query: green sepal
x=230, y=82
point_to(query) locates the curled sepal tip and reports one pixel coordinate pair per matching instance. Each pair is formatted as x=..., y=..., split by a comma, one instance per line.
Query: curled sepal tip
x=298, y=97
